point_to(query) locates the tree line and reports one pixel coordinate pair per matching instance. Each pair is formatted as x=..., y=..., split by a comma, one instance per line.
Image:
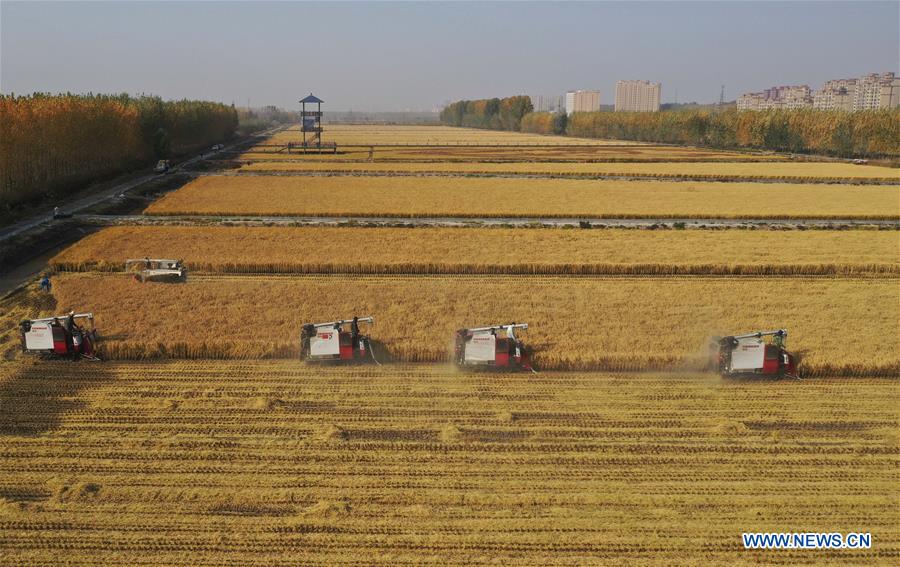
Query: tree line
x=488, y=113
x=870, y=133
x=50, y=144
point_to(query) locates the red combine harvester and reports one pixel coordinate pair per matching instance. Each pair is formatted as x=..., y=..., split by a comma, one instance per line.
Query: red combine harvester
x=60, y=337
x=751, y=355
x=482, y=347
x=330, y=342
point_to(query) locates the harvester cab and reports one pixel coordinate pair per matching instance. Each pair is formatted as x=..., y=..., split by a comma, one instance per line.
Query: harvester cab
x=60, y=337
x=751, y=354
x=333, y=342
x=157, y=269
x=496, y=347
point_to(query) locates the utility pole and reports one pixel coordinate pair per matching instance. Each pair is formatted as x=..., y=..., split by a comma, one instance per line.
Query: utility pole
x=722, y=96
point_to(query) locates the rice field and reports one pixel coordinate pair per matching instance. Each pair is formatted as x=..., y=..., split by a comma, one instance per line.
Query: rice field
x=807, y=171
x=489, y=250
x=205, y=440
x=367, y=135
x=842, y=326
x=273, y=462
x=505, y=153
x=515, y=197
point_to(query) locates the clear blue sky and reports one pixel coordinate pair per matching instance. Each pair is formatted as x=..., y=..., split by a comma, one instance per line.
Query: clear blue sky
x=396, y=56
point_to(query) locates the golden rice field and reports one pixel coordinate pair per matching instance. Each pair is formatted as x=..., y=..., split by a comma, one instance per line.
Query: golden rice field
x=273, y=462
x=621, y=450
x=751, y=170
x=368, y=135
x=516, y=197
x=840, y=325
x=489, y=250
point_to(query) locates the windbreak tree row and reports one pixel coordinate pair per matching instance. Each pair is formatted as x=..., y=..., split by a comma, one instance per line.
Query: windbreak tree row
x=871, y=133
x=52, y=143
x=490, y=113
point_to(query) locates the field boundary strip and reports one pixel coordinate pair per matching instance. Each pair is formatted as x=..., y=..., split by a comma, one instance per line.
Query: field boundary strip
x=346, y=216
x=459, y=222
x=834, y=270
x=558, y=175
x=500, y=160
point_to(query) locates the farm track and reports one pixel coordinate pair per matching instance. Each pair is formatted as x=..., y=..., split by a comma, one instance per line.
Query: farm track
x=533, y=222
x=246, y=462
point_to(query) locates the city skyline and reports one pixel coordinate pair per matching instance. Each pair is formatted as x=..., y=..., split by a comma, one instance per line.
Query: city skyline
x=407, y=56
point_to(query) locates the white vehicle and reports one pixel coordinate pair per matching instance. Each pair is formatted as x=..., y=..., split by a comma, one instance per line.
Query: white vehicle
x=156, y=269
x=162, y=166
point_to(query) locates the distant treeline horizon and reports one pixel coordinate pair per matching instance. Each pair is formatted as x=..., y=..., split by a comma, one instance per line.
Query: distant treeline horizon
x=870, y=133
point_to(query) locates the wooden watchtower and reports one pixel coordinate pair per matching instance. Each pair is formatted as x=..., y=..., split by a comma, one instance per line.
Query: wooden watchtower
x=311, y=122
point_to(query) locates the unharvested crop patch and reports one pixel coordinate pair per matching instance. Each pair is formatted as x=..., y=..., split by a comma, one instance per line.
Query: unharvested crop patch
x=489, y=250
x=175, y=463
x=513, y=197
x=576, y=322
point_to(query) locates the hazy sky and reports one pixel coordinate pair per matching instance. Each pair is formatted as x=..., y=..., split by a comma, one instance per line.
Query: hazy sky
x=397, y=56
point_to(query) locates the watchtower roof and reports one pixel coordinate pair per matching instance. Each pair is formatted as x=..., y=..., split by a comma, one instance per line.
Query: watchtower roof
x=312, y=99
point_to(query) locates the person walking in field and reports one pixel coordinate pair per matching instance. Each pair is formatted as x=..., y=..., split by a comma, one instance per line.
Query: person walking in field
x=45, y=283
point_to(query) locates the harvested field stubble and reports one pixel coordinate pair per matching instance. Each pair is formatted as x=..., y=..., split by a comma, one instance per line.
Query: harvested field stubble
x=490, y=250
x=418, y=464
x=576, y=322
x=787, y=171
x=511, y=197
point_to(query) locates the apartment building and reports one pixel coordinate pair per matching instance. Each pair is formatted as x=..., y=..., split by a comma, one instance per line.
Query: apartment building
x=837, y=94
x=786, y=97
x=582, y=101
x=637, y=96
x=864, y=93
x=876, y=91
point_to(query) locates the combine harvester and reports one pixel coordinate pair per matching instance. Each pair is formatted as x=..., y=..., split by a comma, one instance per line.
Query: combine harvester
x=60, y=337
x=330, y=342
x=481, y=347
x=158, y=269
x=751, y=355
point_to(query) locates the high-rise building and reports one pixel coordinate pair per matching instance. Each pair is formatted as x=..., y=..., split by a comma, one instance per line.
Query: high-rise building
x=637, y=96
x=837, y=94
x=582, y=101
x=876, y=91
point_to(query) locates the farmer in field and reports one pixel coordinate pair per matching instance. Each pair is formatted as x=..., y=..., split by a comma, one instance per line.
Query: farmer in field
x=45, y=283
